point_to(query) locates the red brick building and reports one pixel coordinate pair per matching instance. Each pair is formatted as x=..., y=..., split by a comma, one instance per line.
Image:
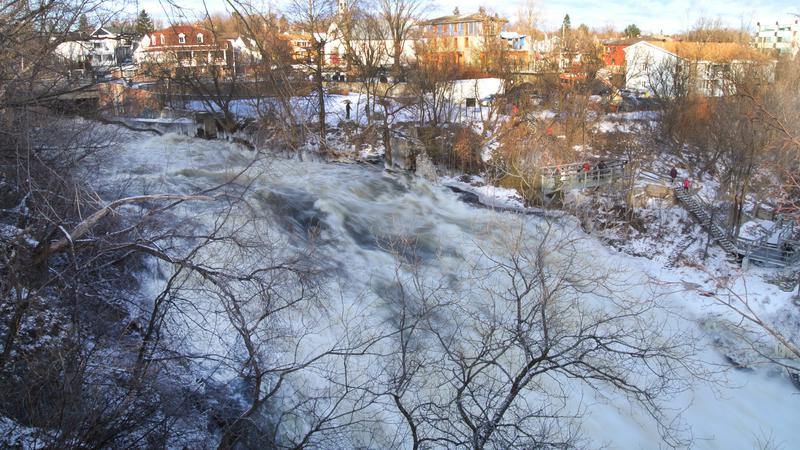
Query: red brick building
x=184, y=48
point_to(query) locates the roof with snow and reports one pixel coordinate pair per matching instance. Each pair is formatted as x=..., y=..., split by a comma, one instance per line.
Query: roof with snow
x=510, y=35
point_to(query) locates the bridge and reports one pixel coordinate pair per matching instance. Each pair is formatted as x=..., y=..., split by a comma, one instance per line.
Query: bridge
x=771, y=249
x=562, y=177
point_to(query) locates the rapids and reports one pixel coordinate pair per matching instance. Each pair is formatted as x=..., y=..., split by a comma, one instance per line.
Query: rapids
x=363, y=223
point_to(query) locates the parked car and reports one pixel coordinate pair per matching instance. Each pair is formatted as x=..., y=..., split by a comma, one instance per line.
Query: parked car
x=488, y=100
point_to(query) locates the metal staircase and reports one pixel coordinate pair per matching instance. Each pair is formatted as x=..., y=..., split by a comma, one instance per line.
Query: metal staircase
x=782, y=253
x=700, y=211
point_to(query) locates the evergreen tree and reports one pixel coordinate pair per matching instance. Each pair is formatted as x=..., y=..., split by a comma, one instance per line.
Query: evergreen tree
x=632, y=31
x=566, y=35
x=83, y=24
x=144, y=24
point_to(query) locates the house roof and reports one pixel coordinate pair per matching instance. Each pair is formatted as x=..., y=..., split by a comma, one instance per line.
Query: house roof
x=190, y=33
x=103, y=31
x=630, y=41
x=460, y=18
x=711, y=51
x=511, y=35
x=296, y=36
x=76, y=36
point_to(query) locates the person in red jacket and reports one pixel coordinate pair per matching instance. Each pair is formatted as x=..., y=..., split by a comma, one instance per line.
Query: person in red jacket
x=686, y=184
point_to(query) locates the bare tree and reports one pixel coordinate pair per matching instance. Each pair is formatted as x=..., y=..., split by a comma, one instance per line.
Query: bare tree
x=275, y=80
x=316, y=16
x=495, y=361
x=365, y=42
x=400, y=16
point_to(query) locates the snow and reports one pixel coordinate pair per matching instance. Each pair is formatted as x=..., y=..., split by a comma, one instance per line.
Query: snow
x=479, y=88
x=489, y=195
x=19, y=436
x=755, y=229
x=165, y=120
x=304, y=109
x=487, y=152
x=545, y=114
x=627, y=122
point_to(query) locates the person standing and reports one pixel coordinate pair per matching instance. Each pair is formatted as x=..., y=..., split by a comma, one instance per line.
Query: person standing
x=673, y=174
x=559, y=181
x=347, y=110
x=686, y=184
x=601, y=170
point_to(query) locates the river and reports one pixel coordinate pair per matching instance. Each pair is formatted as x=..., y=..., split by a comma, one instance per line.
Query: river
x=379, y=239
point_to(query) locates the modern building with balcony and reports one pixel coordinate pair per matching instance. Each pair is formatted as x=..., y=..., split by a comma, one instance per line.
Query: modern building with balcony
x=782, y=38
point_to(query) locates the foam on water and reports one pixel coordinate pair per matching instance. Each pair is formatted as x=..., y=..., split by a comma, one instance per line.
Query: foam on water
x=355, y=211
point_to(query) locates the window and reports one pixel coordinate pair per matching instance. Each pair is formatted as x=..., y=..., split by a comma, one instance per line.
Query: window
x=163, y=41
x=199, y=38
x=181, y=38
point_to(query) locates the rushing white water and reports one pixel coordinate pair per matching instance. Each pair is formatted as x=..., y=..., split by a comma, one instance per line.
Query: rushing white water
x=364, y=222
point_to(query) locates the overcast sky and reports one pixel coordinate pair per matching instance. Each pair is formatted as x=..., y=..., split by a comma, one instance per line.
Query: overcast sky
x=651, y=16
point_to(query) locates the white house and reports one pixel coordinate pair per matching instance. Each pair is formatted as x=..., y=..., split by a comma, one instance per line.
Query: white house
x=378, y=51
x=649, y=68
x=102, y=49
x=668, y=68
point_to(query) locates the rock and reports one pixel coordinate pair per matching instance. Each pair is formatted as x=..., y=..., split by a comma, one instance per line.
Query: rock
x=404, y=151
x=425, y=168
x=466, y=197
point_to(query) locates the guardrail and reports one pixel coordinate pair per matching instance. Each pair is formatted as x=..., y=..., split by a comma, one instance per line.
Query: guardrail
x=785, y=251
x=575, y=175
